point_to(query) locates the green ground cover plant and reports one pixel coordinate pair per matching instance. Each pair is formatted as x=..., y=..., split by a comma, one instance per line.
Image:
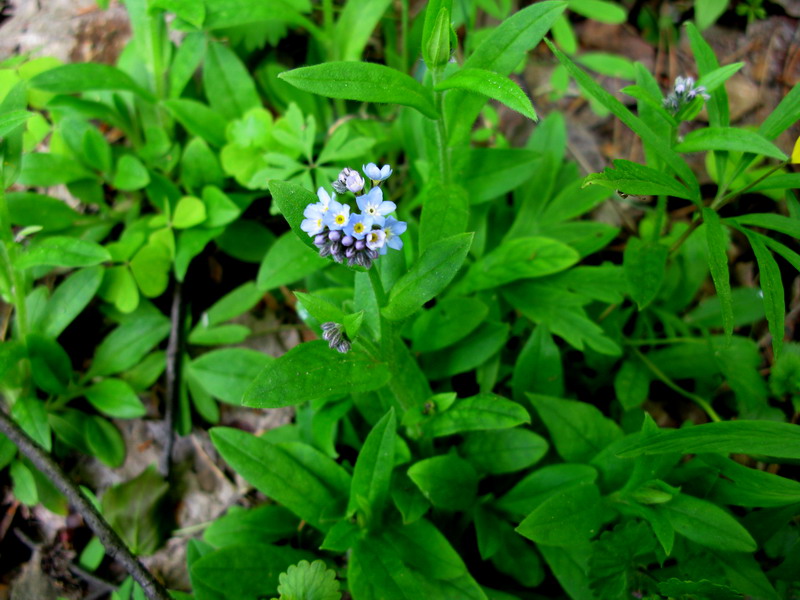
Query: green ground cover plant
x=476, y=420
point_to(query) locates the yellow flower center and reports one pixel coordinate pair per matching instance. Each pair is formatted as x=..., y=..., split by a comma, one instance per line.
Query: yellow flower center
x=358, y=227
x=340, y=219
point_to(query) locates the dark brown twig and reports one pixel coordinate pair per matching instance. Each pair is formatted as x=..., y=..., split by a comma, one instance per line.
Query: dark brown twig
x=174, y=358
x=113, y=544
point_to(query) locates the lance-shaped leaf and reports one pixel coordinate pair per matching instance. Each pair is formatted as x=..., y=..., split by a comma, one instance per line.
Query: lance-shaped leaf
x=772, y=285
x=430, y=275
x=645, y=265
x=365, y=82
x=313, y=370
x=491, y=85
x=728, y=138
x=13, y=119
x=85, y=77
x=718, y=264
x=632, y=178
x=298, y=476
x=373, y=470
x=780, y=440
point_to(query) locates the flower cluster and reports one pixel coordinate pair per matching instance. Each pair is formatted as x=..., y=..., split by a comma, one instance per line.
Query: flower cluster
x=333, y=334
x=357, y=238
x=683, y=93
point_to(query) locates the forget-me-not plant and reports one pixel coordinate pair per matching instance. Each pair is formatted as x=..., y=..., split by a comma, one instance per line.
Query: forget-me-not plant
x=359, y=238
x=684, y=92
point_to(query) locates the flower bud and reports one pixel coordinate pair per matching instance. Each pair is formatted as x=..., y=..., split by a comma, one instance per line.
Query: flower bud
x=320, y=239
x=335, y=235
x=360, y=244
x=348, y=240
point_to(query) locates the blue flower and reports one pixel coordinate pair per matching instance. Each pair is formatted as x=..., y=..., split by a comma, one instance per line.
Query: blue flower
x=393, y=229
x=375, y=174
x=373, y=204
x=337, y=215
x=314, y=218
x=376, y=239
x=324, y=199
x=358, y=226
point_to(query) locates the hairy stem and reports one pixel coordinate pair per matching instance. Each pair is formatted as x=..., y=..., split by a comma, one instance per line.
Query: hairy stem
x=113, y=544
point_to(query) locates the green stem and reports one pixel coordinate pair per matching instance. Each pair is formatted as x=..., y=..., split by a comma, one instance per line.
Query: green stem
x=663, y=341
x=441, y=129
x=700, y=401
x=377, y=285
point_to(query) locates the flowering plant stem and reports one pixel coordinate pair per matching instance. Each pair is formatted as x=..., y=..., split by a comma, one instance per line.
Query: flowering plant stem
x=441, y=129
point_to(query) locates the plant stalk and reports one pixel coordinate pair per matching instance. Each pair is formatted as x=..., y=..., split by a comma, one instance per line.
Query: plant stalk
x=175, y=347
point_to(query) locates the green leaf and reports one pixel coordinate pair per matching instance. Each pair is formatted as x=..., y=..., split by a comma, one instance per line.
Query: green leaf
x=220, y=208
x=445, y=212
x=707, y=524
x=448, y=481
x=292, y=200
x=491, y=85
x=260, y=525
x=200, y=166
x=135, y=510
x=779, y=440
x=486, y=341
x=301, y=478
x=430, y=275
x=479, y=413
x=743, y=486
x=501, y=51
x=565, y=518
x=579, y=430
x=246, y=572
x=119, y=288
x=728, y=138
x=376, y=572
x=645, y=265
x=784, y=116
x=491, y=172
x=24, y=484
x=632, y=178
x=105, y=441
x=718, y=264
x=29, y=208
x=189, y=212
x=45, y=170
x=129, y=343
x=503, y=451
x=365, y=82
x=305, y=581
x=599, y=10
x=772, y=286
x=446, y=323
x=531, y=491
x=707, y=64
x=217, y=336
x=659, y=145
x=313, y=370
x=31, y=415
x=50, y=364
x=229, y=88
x=355, y=26
x=520, y=258
x=373, y=470
x=115, y=398
x=787, y=225
x=288, y=260
x=676, y=588
x=199, y=120
x=538, y=368
x=11, y=120
x=62, y=251
x=69, y=299
x=228, y=372
x=131, y=174
x=150, y=267
x=632, y=384
x=86, y=77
